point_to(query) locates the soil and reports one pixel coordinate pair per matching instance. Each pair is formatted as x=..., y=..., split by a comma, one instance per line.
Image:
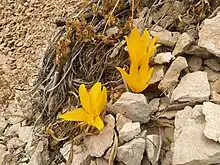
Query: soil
x=26, y=28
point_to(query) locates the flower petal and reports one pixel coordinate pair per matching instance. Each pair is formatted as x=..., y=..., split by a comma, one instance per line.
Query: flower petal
x=74, y=115
x=145, y=76
x=102, y=100
x=85, y=99
x=98, y=123
x=94, y=94
x=133, y=43
x=128, y=79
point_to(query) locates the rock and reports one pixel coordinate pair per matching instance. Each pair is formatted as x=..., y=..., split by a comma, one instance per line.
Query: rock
x=193, y=87
x=183, y=43
x=212, y=120
x=154, y=104
x=101, y=161
x=131, y=153
x=3, y=125
x=168, y=158
x=25, y=133
x=3, y=153
x=213, y=64
x=215, y=86
x=121, y=120
x=198, y=51
x=192, y=30
x=41, y=153
x=195, y=63
x=170, y=79
x=93, y=162
x=80, y=154
x=153, y=147
x=10, y=131
x=164, y=36
x=190, y=144
x=14, y=143
x=164, y=102
x=209, y=36
x=129, y=131
x=157, y=74
x=98, y=144
x=133, y=106
x=169, y=114
x=212, y=75
x=112, y=31
x=145, y=161
x=215, y=97
x=162, y=58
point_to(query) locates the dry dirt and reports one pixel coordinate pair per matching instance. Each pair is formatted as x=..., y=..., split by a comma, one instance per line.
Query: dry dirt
x=26, y=28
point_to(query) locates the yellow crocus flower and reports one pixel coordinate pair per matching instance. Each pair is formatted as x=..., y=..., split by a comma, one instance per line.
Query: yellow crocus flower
x=138, y=77
x=140, y=49
x=93, y=103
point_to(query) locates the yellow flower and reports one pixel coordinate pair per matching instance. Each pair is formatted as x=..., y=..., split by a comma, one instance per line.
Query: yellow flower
x=138, y=77
x=140, y=49
x=93, y=103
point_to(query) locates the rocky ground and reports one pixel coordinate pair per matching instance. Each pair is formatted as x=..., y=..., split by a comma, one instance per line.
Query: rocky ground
x=178, y=127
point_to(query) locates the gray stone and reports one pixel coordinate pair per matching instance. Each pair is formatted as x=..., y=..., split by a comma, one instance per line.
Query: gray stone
x=158, y=74
x=14, y=143
x=101, y=161
x=215, y=97
x=198, y=51
x=12, y=130
x=183, y=43
x=133, y=106
x=212, y=75
x=162, y=58
x=3, y=153
x=169, y=114
x=3, y=125
x=213, y=64
x=215, y=86
x=41, y=153
x=195, y=63
x=80, y=154
x=131, y=153
x=25, y=133
x=193, y=87
x=153, y=147
x=121, y=120
x=190, y=144
x=164, y=36
x=209, y=36
x=170, y=79
x=129, y=131
x=98, y=144
x=154, y=104
x=212, y=118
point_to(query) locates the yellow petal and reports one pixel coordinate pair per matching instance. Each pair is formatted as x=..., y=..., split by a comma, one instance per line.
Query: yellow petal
x=98, y=123
x=133, y=43
x=143, y=45
x=74, y=115
x=102, y=100
x=85, y=99
x=145, y=76
x=134, y=70
x=94, y=94
x=128, y=79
